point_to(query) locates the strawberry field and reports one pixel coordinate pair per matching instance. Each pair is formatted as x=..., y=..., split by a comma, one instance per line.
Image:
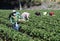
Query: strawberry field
x=38, y=28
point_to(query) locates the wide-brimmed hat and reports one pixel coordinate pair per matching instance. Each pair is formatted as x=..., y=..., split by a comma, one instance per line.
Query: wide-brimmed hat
x=14, y=10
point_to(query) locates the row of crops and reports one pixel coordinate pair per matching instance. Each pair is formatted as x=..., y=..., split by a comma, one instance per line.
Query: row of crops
x=38, y=28
x=7, y=34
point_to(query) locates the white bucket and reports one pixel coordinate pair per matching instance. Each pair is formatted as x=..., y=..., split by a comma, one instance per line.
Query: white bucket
x=44, y=13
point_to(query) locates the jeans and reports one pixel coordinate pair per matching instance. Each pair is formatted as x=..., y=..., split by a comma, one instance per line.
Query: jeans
x=16, y=26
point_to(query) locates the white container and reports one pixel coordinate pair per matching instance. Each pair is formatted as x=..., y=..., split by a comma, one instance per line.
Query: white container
x=44, y=13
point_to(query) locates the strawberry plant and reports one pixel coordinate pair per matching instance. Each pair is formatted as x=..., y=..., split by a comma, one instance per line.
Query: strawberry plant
x=39, y=28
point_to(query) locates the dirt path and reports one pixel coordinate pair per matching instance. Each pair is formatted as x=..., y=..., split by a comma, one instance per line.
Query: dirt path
x=54, y=6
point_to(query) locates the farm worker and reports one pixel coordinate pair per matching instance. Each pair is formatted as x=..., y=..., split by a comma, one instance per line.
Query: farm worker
x=51, y=13
x=20, y=19
x=37, y=13
x=14, y=11
x=25, y=16
x=14, y=20
x=44, y=13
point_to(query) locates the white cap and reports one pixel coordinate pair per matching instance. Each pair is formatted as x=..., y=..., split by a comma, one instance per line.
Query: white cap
x=14, y=10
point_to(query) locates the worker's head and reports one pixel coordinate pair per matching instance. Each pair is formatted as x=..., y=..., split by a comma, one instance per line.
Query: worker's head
x=51, y=13
x=37, y=13
x=13, y=14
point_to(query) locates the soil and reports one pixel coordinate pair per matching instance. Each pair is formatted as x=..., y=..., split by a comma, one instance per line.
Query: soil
x=45, y=5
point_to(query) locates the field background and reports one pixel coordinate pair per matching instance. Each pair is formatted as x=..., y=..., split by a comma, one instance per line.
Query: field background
x=38, y=28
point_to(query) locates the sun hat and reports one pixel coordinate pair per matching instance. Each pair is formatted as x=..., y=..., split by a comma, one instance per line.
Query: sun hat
x=14, y=10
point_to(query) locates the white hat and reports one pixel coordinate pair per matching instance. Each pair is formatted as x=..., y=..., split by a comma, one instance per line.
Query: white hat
x=14, y=10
